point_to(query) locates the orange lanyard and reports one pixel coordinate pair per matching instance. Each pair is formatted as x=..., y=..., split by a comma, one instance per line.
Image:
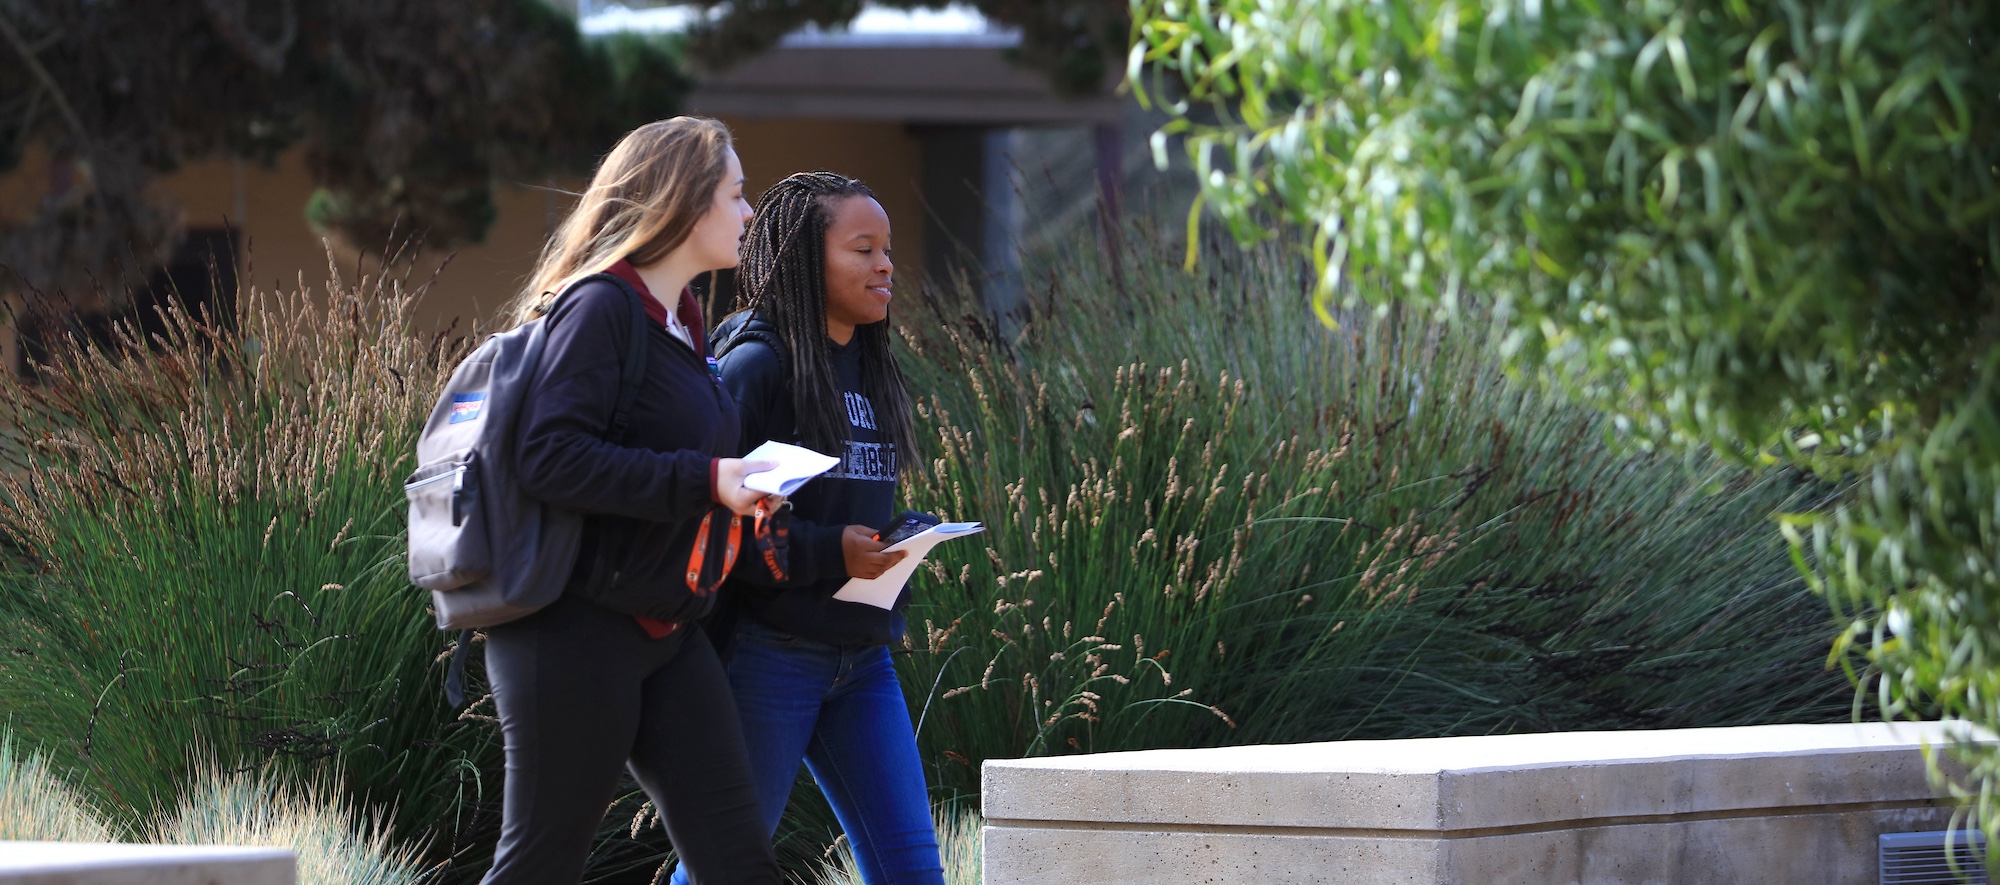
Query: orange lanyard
x=700, y=554
x=772, y=532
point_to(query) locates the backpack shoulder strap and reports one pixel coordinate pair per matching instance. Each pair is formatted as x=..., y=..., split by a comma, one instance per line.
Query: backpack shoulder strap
x=739, y=332
x=634, y=374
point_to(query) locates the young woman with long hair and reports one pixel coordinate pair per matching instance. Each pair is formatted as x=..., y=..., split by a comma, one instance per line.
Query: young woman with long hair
x=808, y=358
x=610, y=676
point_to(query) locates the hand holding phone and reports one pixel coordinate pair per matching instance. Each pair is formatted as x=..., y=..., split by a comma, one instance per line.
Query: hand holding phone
x=863, y=553
x=906, y=525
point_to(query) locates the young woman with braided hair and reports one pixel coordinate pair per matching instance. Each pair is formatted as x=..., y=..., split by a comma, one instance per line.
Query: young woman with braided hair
x=807, y=356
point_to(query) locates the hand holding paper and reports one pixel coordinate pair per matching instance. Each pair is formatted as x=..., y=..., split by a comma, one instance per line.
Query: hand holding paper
x=882, y=592
x=729, y=489
x=795, y=466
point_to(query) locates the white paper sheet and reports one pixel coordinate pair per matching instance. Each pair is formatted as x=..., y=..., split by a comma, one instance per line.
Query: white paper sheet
x=882, y=592
x=795, y=466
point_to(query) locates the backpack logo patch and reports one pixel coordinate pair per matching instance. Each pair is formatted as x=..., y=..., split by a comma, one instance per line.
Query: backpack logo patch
x=466, y=407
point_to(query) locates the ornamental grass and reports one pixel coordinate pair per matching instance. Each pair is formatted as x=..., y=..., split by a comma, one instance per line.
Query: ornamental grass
x=38, y=805
x=959, y=848
x=1212, y=519
x=333, y=844
x=203, y=561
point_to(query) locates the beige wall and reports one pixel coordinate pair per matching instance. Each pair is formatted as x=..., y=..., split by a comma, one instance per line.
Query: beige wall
x=882, y=155
x=267, y=204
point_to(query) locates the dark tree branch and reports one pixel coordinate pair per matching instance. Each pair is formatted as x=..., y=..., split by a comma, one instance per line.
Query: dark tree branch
x=408, y=112
x=48, y=81
x=232, y=20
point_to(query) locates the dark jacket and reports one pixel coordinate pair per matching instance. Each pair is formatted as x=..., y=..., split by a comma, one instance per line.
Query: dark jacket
x=860, y=491
x=644, y=498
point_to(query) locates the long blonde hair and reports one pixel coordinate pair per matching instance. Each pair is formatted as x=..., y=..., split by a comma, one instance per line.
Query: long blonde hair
x=643, y=202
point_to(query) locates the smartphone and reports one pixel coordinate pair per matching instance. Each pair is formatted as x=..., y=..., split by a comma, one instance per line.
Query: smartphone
x=907, y=524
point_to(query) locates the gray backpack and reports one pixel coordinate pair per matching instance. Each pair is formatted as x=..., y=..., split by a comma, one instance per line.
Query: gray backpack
x=488, y=552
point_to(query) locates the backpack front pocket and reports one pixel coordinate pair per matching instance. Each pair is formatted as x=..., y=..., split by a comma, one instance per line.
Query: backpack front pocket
x=448, y=544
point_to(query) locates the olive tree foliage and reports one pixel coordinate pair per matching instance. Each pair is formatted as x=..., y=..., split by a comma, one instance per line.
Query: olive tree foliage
x=1769, y=227
x=407, y=113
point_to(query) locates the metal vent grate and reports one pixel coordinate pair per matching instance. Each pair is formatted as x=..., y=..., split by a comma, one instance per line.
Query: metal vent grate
x=1919, y=858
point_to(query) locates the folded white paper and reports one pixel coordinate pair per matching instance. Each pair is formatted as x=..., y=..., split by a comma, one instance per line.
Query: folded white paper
x=795, y=466
x=882, y=592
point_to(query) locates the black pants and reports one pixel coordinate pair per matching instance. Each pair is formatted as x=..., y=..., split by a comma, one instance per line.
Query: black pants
x=582, y=691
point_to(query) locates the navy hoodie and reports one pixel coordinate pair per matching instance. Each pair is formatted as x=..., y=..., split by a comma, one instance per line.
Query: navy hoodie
x=861, y=490
x=643, y=499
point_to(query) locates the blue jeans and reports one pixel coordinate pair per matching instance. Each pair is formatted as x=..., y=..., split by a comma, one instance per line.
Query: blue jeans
x=841, y=710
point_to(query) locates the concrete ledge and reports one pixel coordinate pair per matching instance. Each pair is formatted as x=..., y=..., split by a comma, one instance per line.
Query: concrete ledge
x=1767, y=804
x=76, y=863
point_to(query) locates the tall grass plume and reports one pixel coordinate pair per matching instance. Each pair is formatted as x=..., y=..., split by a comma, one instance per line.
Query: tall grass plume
x=204, y=559
x=1213, y=520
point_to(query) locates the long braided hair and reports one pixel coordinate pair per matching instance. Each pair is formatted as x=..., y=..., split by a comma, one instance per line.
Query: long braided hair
x=782, y=277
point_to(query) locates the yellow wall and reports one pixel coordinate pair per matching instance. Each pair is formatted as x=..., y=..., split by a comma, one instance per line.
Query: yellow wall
x=267, y=204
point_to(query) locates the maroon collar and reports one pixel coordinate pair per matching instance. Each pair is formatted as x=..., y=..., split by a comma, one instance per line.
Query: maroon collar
x=689, y=312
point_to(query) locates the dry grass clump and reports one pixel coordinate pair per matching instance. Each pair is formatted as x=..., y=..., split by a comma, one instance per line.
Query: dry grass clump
x=38, y=805
x=334, y=846
x=959, y=846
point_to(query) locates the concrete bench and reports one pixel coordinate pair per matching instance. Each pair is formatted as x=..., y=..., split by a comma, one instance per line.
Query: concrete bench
x=1773, y=805
x=77, y=863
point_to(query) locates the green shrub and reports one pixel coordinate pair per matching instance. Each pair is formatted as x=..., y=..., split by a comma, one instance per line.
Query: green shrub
x=204, y=561
x=1766, y=228
x=1212, y=520
x=38, y=805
